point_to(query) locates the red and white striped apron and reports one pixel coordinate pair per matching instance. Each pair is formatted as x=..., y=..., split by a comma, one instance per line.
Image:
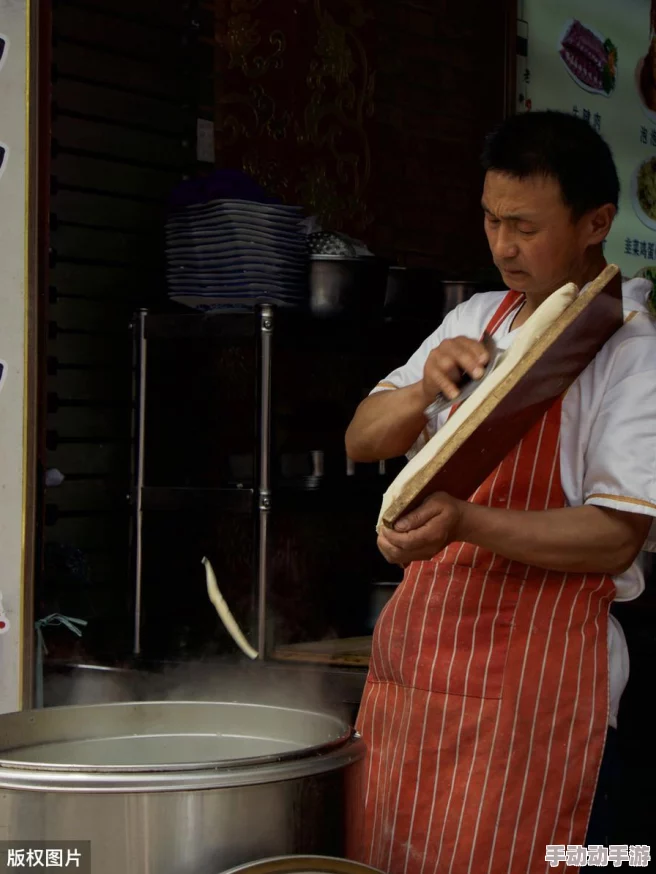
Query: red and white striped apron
x=486, y=706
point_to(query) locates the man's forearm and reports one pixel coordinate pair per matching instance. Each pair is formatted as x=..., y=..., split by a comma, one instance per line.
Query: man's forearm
x=386, y=424
x=584, y=539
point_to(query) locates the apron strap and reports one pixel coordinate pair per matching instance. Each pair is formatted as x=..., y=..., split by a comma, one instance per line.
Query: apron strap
x=510, y=302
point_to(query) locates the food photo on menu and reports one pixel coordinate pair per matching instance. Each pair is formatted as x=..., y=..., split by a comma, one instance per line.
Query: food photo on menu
x=590, y=58
x=643, y=181
x=646, y=69
x=646, y=191
x=580, y=57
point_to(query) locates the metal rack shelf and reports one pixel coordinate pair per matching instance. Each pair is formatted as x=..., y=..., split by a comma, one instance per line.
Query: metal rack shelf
x=256, y=328
x=266, y=488
x=198, y=326
x=167, y=498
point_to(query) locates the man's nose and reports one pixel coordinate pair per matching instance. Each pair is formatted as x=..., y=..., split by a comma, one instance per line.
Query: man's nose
x=504, y=246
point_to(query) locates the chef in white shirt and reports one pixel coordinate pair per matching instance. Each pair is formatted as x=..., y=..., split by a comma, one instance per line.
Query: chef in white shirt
x=497, y=670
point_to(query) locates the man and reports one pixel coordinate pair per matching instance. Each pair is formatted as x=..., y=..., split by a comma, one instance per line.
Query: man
x=496, y=669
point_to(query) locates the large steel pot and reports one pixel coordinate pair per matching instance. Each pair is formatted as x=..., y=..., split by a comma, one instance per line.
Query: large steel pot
x=176, y=787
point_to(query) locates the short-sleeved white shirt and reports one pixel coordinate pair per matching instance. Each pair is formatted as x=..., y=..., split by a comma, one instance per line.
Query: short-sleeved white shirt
x=607, y=431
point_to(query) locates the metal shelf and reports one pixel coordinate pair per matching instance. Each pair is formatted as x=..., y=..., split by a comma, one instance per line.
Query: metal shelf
x=345, y=491
x=200, y=326
x=267, y=492
x=243, y=499
x=300, y=328
x=168, y=498
x=257, y=328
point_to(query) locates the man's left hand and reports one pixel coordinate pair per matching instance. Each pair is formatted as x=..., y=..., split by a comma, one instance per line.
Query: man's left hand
x=423, y=532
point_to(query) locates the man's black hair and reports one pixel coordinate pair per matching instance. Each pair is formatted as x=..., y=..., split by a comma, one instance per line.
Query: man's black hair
x=557, y=145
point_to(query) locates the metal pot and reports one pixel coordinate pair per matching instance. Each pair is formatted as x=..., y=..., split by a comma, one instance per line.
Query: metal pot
x=413, y=293
x=455, y=293
x=347, y=286
x=176, y=787
x=304, y=865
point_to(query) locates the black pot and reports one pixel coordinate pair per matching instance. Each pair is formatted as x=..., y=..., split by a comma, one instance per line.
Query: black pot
x=414, y=294
x=456, y=292
x=347, y=286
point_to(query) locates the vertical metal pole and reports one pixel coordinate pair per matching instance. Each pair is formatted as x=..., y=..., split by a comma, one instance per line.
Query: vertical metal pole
x=139, y=478
x=266, y=332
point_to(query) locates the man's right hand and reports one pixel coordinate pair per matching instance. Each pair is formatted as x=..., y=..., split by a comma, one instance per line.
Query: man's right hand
x=387, y=423
x=446, y=364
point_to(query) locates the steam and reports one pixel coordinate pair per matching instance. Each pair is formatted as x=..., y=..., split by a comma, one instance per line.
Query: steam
x=217, y=678
x=254, y=682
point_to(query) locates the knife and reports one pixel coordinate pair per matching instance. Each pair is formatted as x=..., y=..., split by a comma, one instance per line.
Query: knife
x=467, y=384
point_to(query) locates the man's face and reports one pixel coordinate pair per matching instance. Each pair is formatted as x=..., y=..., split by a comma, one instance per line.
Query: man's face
x=535, y=242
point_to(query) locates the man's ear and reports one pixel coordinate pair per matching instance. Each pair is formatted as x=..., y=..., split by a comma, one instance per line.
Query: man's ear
x=599, y=222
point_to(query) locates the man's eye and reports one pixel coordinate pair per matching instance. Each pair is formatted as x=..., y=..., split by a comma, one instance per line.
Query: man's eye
x=527, y=233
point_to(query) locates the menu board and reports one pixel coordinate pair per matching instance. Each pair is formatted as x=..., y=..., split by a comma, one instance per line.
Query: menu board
x=597, y=59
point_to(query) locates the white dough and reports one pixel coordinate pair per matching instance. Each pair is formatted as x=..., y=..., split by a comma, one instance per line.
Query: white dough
x=224, y=612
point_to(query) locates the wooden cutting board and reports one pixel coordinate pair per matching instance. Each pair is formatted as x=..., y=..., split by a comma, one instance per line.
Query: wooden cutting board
x=543, y=375
x=347, y=652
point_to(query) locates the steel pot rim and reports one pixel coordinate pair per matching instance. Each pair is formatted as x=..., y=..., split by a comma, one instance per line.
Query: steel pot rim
x=225, y=764
x=303, y=863
x=23, y=773
x=77, y=783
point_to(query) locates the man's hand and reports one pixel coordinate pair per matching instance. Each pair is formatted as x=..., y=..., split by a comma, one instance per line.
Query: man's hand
x=587, y=539
x=422, y=533
x=387, y=423
x=446, y=364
